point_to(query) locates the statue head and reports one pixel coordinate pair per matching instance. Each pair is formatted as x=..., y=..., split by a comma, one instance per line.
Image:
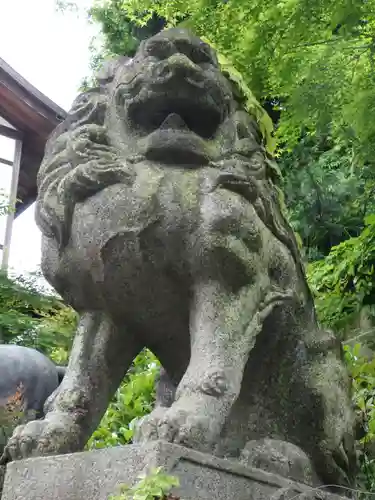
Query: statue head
x=171, y=103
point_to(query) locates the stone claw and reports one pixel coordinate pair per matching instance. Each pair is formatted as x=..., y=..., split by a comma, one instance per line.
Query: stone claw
x=182, y=424
x=147, y=428
x=41, y=437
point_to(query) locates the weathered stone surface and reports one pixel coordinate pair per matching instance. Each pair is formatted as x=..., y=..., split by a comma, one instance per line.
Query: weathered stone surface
x=162, y=226
x=284, y=459
x=97, y=474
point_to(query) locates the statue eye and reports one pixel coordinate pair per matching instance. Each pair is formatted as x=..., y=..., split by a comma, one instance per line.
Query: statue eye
x=162, y=49
x=198, y=55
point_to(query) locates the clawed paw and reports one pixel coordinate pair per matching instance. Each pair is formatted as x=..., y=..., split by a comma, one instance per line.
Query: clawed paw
x=181, y=424
x=191, y=430
x=146, y=429
x=41, y=437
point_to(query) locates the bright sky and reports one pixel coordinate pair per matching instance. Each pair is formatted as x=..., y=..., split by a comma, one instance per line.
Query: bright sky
x=50, y=50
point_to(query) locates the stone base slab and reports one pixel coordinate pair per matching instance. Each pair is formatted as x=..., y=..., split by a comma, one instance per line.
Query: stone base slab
x=95, y=475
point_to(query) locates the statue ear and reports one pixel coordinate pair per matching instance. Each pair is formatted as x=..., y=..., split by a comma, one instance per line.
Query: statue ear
x=107, y=72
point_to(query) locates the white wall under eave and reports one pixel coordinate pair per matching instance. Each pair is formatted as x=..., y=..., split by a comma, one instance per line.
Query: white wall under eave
x=5, y=123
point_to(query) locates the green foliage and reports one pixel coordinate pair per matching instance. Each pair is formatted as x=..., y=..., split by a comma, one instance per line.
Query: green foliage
x=32, y=318
x=344, y=282
x=133, y=400
x=327, y=196
x=152, y=486
x=121, y=36
x=250, y=103
x=362, y=370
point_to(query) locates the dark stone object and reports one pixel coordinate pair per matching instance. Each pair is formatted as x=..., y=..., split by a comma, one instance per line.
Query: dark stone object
x=27, y=379
x=98, y=474
x=162, y=227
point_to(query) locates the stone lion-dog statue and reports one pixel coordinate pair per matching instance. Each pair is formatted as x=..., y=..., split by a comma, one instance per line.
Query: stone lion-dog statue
x=162, y=227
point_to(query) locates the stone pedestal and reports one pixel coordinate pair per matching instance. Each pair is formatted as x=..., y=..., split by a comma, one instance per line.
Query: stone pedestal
x=95, y=475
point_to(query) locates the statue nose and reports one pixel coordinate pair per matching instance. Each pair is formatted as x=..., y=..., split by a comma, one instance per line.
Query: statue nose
x=180, y=65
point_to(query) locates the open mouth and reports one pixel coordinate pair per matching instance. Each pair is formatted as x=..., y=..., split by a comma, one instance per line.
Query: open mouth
x=201, y=116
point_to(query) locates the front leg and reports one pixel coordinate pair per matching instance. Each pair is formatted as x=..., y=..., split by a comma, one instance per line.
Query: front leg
x=232, y=296
x=100, y=357
x=146, y=429
x=223, y=331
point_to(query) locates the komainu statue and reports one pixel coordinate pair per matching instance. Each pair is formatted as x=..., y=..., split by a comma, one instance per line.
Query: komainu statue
x=162, y=227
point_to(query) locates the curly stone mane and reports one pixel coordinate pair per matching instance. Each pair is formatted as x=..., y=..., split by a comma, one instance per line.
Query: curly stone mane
x=78, y=162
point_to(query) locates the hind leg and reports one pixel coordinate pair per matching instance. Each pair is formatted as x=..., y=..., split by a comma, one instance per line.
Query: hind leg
x=333, y=449
x=310, y=407
x=99, y=359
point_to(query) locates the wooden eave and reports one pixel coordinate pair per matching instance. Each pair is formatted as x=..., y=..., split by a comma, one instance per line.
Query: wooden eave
x=34, y=116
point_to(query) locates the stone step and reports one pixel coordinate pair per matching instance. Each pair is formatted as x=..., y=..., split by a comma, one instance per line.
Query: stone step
x=95, y=475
